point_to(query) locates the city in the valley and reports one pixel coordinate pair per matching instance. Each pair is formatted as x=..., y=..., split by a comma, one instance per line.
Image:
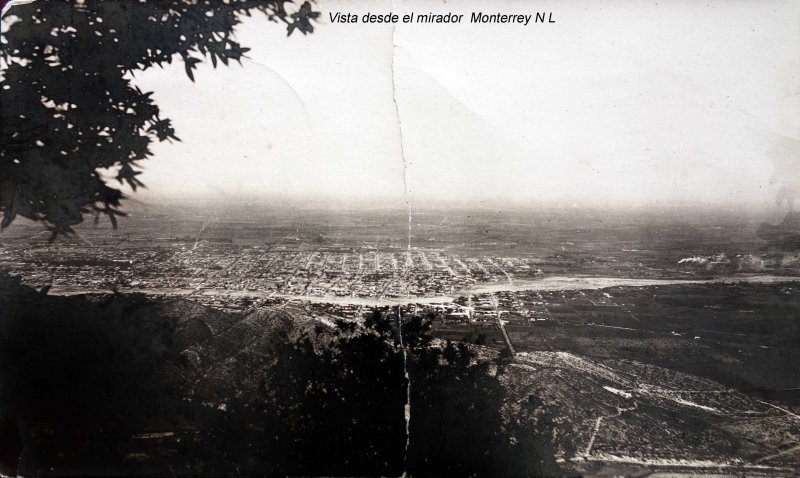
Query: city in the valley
x=617, y=321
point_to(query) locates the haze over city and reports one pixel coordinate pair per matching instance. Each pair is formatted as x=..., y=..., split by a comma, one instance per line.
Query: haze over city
x=689, y=104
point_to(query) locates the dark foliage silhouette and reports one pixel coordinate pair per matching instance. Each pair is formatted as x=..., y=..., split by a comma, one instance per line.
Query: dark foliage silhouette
x=339, y=408
x=349, y=400
x=69, y=107
x=459, y=428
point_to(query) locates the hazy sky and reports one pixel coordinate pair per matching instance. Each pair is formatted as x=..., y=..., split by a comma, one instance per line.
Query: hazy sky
x=627, y=103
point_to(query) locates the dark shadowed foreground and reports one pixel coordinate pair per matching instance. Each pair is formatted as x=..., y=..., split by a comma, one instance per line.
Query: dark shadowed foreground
x=124, y=384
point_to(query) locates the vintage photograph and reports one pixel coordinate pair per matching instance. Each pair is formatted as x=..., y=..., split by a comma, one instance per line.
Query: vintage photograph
x=400, y=238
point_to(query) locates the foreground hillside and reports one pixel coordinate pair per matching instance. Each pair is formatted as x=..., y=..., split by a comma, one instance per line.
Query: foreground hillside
x=134, y=384
x=128, y=384
x=627, y=417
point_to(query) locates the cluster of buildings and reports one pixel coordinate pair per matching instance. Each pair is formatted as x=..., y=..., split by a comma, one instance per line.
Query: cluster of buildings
x=262, y=269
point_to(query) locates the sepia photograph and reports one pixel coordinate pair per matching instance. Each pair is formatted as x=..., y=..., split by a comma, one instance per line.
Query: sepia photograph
x=519, y=238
